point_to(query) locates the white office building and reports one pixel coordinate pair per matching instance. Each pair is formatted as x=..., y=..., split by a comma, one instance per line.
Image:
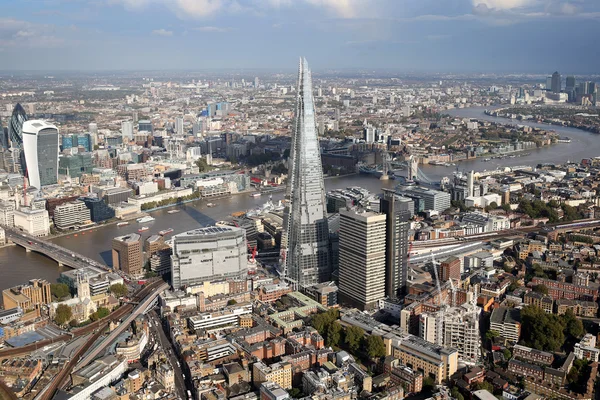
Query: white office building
x=127, y=130
x=220, y=319
x=362, y=258
x=209, y=253
x=71, y=214
x=40, y=145
x=34, y=222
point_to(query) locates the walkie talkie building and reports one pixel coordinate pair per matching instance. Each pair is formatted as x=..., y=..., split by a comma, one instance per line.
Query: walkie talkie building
x=305, y=242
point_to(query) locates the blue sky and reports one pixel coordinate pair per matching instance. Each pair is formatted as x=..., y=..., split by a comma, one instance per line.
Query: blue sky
x=537, y=36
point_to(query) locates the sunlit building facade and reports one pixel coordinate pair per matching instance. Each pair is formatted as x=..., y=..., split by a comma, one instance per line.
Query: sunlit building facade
x=305, y=240
x=40, y=146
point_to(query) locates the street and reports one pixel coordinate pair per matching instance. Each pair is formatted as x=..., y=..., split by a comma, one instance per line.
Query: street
x=169, y=350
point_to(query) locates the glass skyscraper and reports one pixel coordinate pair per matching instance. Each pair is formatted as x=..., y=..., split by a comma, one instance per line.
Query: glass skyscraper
x=305, y=242
x=40, y=145
x=15, y=126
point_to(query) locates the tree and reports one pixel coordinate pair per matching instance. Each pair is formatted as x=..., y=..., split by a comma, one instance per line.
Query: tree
x=295, y=392
x=334, y=334
x=506, y=207
x=354, y=336
x=428, y=383
x=491, y=334
x=60, y=291
x=102, y=312
x=375, y=346
x=231, y=302
x=63, y=314
x=540, y=289
x=150, y=274
x=484, y=386
x=507, y=354
x=573, y=325
x=118, y=289
x=456, y=394
x=540, y=330
x=203, y=165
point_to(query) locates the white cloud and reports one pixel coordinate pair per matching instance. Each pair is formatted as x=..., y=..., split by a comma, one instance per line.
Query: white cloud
x=212, y=29
x=19, y=33
x=162, y=32
x=505, y=4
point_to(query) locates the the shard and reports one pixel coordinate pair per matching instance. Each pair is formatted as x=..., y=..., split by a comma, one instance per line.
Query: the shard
x=305, y=241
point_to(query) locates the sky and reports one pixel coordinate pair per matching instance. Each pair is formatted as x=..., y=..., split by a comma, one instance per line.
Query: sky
x=488, y=36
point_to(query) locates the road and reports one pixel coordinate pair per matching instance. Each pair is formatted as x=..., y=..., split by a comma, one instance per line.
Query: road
x=139, y=309
x=167, y=346
x=59, y=254
x=61, y=379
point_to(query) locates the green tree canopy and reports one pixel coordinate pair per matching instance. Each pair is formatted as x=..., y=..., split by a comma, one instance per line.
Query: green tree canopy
x=63, y=314
x=541, y=330
x=118, y=289
x=540, y=289
x=353, y=338
x=60, y=291
x=334, y=334
x=375, y=346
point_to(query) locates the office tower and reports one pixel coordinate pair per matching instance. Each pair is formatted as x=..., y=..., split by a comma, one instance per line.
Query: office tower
x=305, y=241
x=179, y=126
x=556, y=82
x=145, y=125
x=127, y=130
x=470, y=182
x=71, y=214
x=40, y=145
x=362, y=258
x=449, y=269
x=570, y=84
x=15, y=126
x=127, y=254
x=256, y=82
x=396, y=252
x=93, y=128
x=4, y=142
x=205, y=254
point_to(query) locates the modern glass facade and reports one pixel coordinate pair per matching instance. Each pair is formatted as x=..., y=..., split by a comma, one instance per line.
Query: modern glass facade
x=40, y=145
x=99, y=210
x=15, y=126
x=305, y=241
x=145, y=125
x=70, y=141
x=76, y=165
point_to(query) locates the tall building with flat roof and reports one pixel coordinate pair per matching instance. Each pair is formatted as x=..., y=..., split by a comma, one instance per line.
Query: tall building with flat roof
x=305, y=241
x=556, y=82
x=208, y=253
x=127, y=254
x=40, y=145
x=396, y=237
x=362, y=258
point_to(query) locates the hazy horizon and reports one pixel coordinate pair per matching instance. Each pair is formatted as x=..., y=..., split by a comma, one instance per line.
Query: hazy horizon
x=425, y=36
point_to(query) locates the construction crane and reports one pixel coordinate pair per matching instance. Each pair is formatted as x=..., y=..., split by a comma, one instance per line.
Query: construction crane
x=443, y=302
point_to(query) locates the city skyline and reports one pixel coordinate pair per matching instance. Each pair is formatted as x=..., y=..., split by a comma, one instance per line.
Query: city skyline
x=462, y=35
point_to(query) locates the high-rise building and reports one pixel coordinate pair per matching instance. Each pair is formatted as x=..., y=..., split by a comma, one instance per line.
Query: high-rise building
x=556, y=82
x=179, y=126
x=4, y=142
x=362, y=258
x=127, y=254
x=145, y=125
x=396, y=253
x=570, y=83
x=127, y=130
x=93, y=128
x=205, y=254
x=305, y=241
x=449, y=269
x=256, y=82
x=15, y=126
x=40, y=145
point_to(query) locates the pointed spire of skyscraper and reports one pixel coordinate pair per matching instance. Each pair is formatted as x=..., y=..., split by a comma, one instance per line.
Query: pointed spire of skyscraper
x=305, y=242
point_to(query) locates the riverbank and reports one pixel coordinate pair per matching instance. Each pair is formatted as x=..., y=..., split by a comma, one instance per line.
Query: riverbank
x=497, y=113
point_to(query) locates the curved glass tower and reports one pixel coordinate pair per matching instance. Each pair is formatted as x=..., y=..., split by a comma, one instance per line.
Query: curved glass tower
x=40, y=145
x=305, y=241
x=15, y=126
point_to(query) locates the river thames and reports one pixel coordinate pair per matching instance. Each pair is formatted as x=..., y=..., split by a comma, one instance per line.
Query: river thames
x=18, y=267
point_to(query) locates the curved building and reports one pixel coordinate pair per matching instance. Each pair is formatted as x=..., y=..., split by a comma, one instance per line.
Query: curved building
x=40, y=146
x=15, y=126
